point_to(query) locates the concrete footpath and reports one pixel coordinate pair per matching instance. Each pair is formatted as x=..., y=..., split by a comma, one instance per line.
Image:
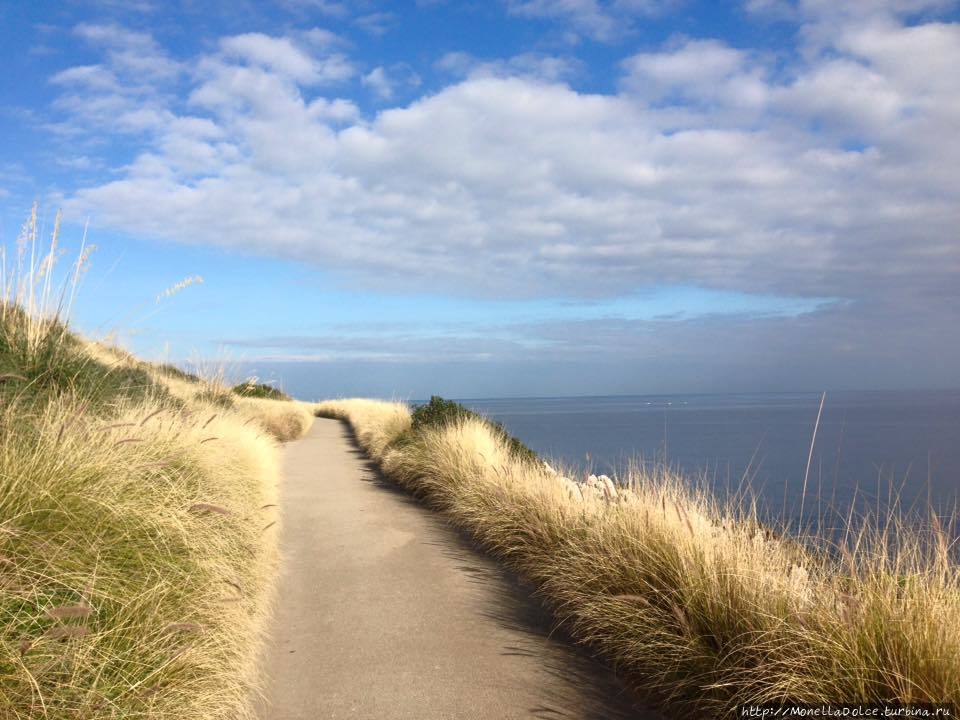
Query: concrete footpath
x=384, y=612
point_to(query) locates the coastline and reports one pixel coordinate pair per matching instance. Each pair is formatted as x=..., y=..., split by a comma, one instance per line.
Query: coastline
x=693, y=601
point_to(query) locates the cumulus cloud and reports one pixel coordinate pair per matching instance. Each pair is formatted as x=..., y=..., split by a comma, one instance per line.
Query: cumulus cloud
x=94, y=78
x=125, y=93
x=323, y=38
x=709, y=75
x=282, y=57
x=385, y=82
x=134, y=53
x=712, y=166
x=277, y=54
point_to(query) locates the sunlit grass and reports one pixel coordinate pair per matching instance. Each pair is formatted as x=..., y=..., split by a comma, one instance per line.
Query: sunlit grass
x=137, y=520
x=691, y=598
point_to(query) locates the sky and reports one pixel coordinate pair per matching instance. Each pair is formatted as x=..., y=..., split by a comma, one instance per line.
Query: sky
x=500, y=198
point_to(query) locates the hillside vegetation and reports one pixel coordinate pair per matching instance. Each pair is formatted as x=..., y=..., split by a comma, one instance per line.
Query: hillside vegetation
x=692, y=600
x=137, y=523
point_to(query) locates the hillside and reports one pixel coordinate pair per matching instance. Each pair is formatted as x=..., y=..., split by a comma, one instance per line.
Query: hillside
x=137, y=535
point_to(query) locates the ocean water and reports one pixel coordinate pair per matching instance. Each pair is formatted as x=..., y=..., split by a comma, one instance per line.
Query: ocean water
x=871, y=447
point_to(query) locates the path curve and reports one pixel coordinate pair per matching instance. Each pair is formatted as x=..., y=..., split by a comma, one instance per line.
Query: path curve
x=385, y=613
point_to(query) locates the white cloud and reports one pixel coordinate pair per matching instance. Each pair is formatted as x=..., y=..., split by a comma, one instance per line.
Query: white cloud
x=586, y=15
x=92, y=77
x=132, y=53
x=848, y=95
x=870, y=8
x=283, y=57
x=337, y=110
x=705, y=72
x=378, y=82
x=323, y=38
x=79, y=162
x=835, y=177
x=123, y=94
x=696, y=64
x=376, y=23
x=386, y=82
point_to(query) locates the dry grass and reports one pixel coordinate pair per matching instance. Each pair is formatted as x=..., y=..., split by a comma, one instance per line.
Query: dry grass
x=283, y=419
x=692, y=600
x=376, y=423
x=148, y=525
x=137, y=520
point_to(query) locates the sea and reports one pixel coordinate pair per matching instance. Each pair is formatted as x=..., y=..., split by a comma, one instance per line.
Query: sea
x=872, y=451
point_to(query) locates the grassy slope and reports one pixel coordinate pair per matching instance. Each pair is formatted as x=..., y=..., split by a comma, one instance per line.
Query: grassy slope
x=691, y=600
x=136, y=531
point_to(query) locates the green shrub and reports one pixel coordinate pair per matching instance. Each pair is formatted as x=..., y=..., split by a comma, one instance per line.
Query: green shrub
x=440, y=413
x=175, y=372
x=253, y=389
x=215, y=397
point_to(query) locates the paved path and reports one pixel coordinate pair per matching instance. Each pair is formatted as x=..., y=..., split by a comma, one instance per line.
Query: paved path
x=385, y=613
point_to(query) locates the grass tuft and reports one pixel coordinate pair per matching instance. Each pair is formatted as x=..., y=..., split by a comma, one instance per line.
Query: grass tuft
x=253, y=389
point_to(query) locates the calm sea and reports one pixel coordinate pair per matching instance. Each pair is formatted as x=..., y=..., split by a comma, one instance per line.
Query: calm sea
x=870, y=446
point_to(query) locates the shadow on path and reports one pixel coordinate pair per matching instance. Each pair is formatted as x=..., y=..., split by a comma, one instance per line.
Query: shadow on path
x=587, y=689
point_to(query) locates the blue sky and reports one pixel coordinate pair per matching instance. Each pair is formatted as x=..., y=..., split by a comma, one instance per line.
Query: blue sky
x=512, y=197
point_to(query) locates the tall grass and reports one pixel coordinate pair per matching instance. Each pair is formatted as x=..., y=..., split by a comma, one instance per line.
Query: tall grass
x=32, y=306
x=137, y=519
x=134, y=568
x=375, y=423
x=692, y=599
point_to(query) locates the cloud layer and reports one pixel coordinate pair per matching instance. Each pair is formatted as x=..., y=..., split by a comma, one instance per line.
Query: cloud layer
x=829, y=173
